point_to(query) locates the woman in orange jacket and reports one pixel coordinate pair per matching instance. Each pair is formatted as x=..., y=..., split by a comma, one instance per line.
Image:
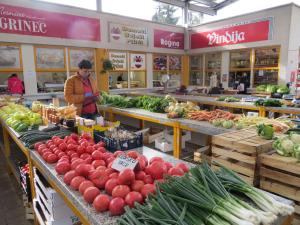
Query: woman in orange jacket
x=81, y=90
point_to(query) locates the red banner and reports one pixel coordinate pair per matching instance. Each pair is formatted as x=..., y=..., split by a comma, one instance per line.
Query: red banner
x=250, y=32
x=167, y=39
x=25, y=21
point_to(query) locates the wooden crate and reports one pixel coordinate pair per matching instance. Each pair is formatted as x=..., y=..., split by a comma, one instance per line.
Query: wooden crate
x=239, y=151
x=281, y=175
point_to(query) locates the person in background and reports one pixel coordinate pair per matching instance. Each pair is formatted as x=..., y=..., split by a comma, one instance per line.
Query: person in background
x=120, y=77
x=15, y=85
x=81, y=90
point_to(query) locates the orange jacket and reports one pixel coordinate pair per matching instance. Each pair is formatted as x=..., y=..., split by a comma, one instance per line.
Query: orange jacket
x=74, y=91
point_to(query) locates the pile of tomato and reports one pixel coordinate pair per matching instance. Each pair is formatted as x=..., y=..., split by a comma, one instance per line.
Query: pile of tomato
x=86, y=167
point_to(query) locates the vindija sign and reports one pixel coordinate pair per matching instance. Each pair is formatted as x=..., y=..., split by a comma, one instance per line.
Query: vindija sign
x=260, y=30
x=26, y=21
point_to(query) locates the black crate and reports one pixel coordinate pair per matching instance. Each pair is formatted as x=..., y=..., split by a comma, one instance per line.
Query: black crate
x=113, y=145
x=25, y=181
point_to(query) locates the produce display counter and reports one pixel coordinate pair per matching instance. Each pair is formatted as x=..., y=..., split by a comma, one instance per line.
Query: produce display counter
x=74, y=200
x=205, y=100
x=282, y=110
x=160, y=118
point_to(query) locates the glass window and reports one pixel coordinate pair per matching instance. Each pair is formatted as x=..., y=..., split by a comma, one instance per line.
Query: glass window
x=265, y=77
x=156, y=11
x=195, y=18
x=118, y=79
x=51, y=81
x=236, y=77
x=4, y=79
x=87, y=4
x=160, y=62
x=267, y=57
x=196, y=70
x=212, y=68
x=157, y=78
x=174, y=62
x=240, y=59
x=137, y=79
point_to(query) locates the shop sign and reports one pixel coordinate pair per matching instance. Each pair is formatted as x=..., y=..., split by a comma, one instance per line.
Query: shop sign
x=128, y=35
x=137, y=61
x=259, y=30
x=167, y=39
x=119, y=60
x=25, y=21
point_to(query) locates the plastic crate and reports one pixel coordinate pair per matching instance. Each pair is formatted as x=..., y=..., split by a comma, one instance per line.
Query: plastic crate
x=113, y=145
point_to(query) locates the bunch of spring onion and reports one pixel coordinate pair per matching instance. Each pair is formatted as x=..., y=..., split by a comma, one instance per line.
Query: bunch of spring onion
x=268, y=206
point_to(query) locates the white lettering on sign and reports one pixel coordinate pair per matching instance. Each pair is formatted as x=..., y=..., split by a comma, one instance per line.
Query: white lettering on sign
x=169, y=43
x=227, y=38
x=124, y=162
x=22, y=25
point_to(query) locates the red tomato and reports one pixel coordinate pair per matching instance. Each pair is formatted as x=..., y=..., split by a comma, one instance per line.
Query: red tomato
x=101, y=143
x=110, y=165
x=62, y=146
x=176, y=171
x=63, y=159
x=97, y=163
x=157, y=170
x=71, y=147
x=100, y=168
x=101, y=203
x=110, y=160
x=52, y=147
x=133, y=154
x=62, y=168
x=148, y=179
x=109, y=171
x=51, y=158
x=37, y=145
x=110, y=185
x=94, y=174
x=76, y=181
x=120, y=191
x=140, y=175
x=126, y=176
x=80, y=149
x=100, y=181
x=89, y=149
x=133, y=197
x=85, y=185
x=114, y=175
x=58, y=142
x=137, y=185
x=117, y=153
x=141, y=163
x=90, y=194
x=156, y=159
x=86, y=136
x=183, y=166
x=49, y=143
x=69, y=176
x=84, y=169
x=54, y=137
x=97, y=155
x=116, y=206
x=74, y=155
x=148, y=189
x=69, y=152
x=84, y=144
x=88, y=160
x=168, y=165
x=76, y=162
x=74, y=136
x=85, y=155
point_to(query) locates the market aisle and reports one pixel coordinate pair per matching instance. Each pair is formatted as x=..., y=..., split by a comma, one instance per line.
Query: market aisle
x=12, y=211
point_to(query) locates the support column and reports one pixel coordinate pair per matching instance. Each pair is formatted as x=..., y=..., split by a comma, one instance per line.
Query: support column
x=185, y=80
x=102, y=78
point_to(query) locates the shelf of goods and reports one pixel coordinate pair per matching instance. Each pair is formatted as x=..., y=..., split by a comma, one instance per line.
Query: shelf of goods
x=281, y=175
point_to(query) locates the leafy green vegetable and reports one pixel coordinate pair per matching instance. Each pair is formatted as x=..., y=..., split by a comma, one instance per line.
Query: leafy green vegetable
x=284, y=146
x=228, y=124
x=228, y=99
x=268, y=102
x=271, y=88
x=261, y=87
x=265, y=131
x=283, y=90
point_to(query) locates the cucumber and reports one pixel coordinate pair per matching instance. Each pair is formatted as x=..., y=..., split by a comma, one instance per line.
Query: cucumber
x=50, y=129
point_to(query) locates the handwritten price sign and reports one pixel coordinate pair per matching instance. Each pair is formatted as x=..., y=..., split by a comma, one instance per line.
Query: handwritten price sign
x=124, y=162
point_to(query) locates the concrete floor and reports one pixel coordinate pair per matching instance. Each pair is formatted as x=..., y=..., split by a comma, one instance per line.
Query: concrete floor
x=12, y=211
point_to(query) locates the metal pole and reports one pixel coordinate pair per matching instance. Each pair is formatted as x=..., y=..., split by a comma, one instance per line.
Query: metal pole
x=186, y=14
x=99, y=5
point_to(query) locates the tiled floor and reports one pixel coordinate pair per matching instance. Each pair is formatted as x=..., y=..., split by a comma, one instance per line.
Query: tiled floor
x=12, y=211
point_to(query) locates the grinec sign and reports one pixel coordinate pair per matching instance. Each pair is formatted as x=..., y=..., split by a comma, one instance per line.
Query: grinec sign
x=26, y=21
x=259, y=30
x=128, y=35
x=167, y=39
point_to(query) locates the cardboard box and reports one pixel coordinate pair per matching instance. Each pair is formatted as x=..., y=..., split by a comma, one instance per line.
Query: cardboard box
x=152, y=134
x=163, y=145
x=186, y=136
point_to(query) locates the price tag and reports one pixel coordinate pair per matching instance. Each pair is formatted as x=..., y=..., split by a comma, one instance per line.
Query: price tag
x=123, y=162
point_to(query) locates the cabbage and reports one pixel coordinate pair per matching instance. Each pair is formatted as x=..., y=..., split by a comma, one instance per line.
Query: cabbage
x=283, y=90
x=218, y=122
x=271, y=88
x=284, y=146
x=227, y=124
x=295, y=138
